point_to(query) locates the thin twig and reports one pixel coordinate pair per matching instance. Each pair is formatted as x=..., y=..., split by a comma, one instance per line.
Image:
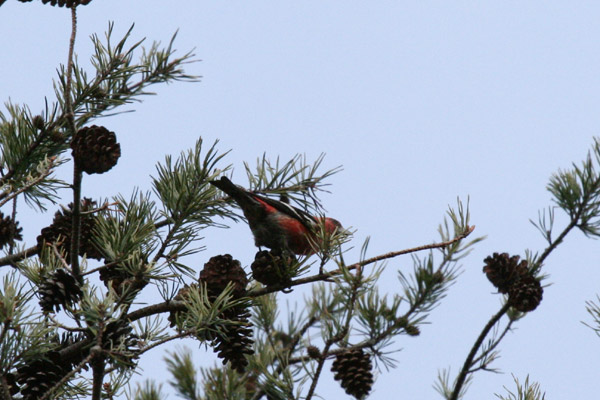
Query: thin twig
x=74, y=348
x=59, y=256
x=13, y=229
x=319, y=369
x=290, y=350
x=462, y=376
x=167, y=306
x=5, y=327
x=68, y=99
x=330, y=353
x=103, y=267
x=167, y=339
x=156, y=344
x=326, y=275
x=66, y=328
x=98, y=364
x=559, y=239
x=11, y=259
x=76, y=223
x=67, y=377
x=495, y=343
x=96, y=210
x=77, y=174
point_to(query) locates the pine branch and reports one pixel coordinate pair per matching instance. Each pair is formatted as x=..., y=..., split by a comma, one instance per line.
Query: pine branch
x=328, y=275
x=11, y=259
x=76, y=223
x=98, y=363
x=179, y=335
x=98, y=366
x=483, y=358
x=167, y=306
x=460, y=380
x=557, y=241
x=77, y=174
x=171, y=305
x=13, y=230
x=8, y=196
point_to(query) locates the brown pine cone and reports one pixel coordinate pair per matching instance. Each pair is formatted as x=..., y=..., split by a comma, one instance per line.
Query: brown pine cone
x=526, y=294
x=9, y=230
x=67, y=3
x=236, y=341
x=219, y=271
x=181, y=296
x=95, y=149
x=59, y=289
x=59, y=232
x=503, y=270
x=354, y=369
x=313, y=352
x=39, y=375
x=270, y=268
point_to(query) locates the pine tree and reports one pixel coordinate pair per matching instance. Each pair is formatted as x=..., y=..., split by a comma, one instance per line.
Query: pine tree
x=70, y=320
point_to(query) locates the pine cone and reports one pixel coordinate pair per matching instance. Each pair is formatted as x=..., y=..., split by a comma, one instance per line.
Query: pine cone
x=313, y=352
x=111, y=276
x=236, y=340
x=503, y=271
x=68, y=3
x=270, y=268
x=9, y=230
x=118, y=333
x=124, y=282
x=95, y=149
x=123, y=275
x=115, y=333
x=526, y=294
x=412, y=330
x=11, y=382
x=60, y=289
x=59, y=232
x=38, y=122
x=74, y=358
x=219, y=271
x=353, y=369
x=180, y=296
x=39, y=375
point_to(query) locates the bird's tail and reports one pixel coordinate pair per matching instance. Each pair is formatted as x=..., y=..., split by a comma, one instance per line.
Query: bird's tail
x=239, y=195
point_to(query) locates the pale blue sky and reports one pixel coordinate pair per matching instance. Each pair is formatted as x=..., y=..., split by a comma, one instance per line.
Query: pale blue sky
x=421, y=102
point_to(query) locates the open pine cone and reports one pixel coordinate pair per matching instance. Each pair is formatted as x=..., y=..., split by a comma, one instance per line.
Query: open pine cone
x=95, y=149
x=354, y=369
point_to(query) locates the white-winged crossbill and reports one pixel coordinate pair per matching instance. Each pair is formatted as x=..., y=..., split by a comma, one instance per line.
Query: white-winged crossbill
x=275, y=224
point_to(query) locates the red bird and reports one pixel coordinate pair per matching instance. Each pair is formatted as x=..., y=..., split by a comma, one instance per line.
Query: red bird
x=275, y=224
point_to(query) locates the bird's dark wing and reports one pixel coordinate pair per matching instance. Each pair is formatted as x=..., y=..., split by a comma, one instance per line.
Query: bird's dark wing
x=305, y=218
x=250, y=203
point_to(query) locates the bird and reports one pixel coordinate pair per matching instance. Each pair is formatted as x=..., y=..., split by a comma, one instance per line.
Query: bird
x=276, y=224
